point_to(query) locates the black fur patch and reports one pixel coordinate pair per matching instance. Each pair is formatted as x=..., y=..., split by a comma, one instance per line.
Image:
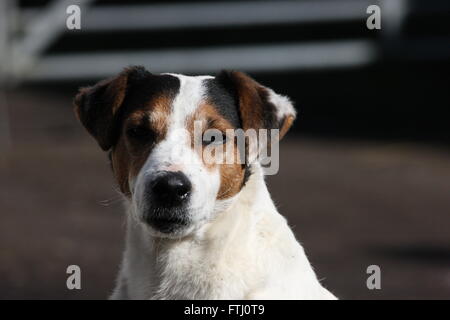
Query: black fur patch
x=248, y=172
x=224, y=100
x=269, y=110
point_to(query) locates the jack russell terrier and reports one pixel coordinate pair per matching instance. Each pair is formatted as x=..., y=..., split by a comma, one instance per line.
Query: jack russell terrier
x=196, y=229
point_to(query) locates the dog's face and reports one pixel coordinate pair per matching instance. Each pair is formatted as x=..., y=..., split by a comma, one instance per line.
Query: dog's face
x=158, y=129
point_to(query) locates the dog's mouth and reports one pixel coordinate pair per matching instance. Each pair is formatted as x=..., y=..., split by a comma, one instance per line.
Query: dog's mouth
x=167, y=222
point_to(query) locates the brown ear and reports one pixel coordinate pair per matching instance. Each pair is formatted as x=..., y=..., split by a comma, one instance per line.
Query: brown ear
x=259, y=107
x=97, y=107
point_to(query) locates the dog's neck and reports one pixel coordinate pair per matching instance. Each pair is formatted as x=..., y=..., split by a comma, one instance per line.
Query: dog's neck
x=157, y=257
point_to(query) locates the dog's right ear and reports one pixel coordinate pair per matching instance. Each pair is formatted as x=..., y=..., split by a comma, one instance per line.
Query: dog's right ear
x=97, y=107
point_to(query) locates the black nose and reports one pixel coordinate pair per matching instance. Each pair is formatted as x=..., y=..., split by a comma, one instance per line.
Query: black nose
x=171, y=189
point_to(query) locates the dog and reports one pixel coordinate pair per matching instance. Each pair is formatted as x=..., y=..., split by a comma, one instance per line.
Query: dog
x=195, y=230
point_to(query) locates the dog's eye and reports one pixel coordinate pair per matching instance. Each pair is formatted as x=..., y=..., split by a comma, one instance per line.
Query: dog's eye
x=140, y=133
x=214, y=137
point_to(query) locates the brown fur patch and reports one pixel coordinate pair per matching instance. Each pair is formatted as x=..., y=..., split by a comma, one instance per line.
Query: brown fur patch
x=231, y=175
x=287, y=124
x=130, y=153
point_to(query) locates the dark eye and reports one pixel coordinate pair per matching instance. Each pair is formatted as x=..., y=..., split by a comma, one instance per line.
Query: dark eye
x=140, y=133
x=214, y=137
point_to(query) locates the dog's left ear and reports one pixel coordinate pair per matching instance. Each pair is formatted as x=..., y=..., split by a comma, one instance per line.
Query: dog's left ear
x=259, y=107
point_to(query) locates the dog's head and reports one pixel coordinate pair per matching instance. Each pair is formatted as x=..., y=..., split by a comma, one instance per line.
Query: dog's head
x=158, y=129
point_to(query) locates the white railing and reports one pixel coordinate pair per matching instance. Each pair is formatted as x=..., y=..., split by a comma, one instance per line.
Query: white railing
x=22, y=57
x=250, y=58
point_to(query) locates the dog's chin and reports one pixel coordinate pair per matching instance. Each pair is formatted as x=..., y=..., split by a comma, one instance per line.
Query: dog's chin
x=164, y=223
x=175, y=234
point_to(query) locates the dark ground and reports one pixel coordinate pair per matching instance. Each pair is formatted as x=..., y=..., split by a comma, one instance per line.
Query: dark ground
x=352, y=204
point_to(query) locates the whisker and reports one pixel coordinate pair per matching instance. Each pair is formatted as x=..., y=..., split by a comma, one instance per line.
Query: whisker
x=110, y=201
x=115, y=199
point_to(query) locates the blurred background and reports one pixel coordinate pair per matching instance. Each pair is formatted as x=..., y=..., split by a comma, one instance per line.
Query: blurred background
x=365, y=172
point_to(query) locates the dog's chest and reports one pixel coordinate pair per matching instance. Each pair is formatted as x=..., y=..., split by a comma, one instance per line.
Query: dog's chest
x=190, y=271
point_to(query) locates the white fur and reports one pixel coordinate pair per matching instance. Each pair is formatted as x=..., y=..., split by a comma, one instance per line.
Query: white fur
x=284, y=104
x=241, y=248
